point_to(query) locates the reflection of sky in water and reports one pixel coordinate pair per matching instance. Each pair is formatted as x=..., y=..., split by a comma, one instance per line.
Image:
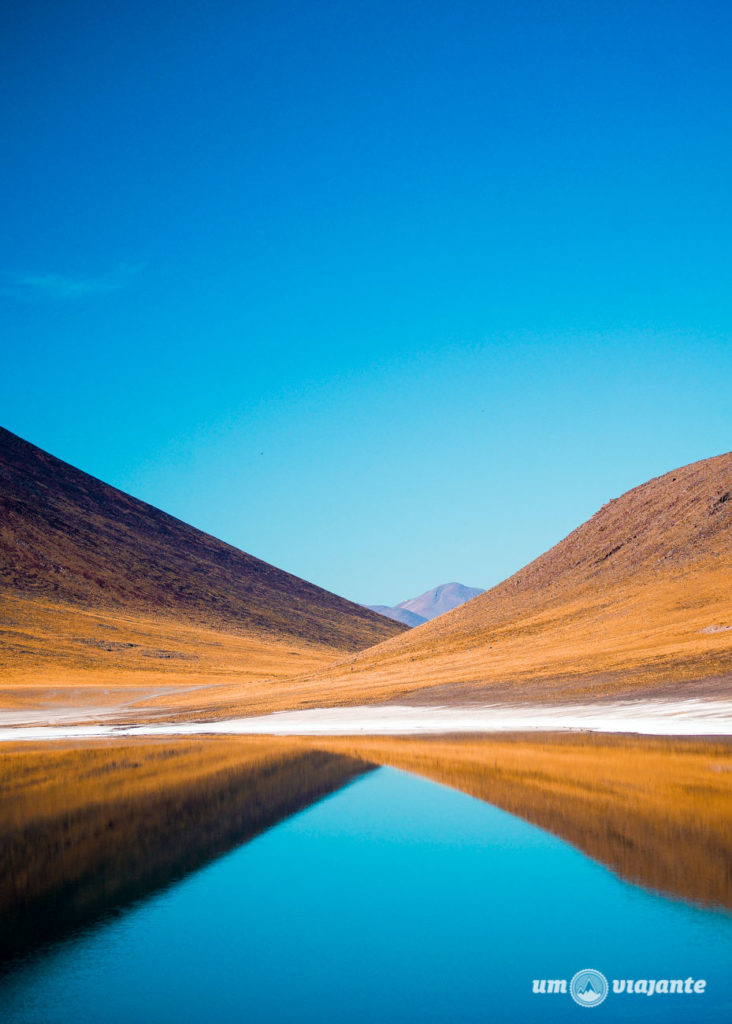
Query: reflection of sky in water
x=395, y=900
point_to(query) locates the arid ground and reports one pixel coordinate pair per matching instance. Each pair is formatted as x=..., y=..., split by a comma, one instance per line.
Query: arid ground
x=112, y=607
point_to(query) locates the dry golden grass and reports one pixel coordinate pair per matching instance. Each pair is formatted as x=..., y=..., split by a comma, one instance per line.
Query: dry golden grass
x=103, y=593
x=100, y=590
x=656, y=811
x=636, y=600
x=64, y=657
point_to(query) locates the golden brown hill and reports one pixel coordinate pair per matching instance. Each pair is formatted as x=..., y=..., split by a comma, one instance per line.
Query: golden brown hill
x=637, y=599
x=98, y=587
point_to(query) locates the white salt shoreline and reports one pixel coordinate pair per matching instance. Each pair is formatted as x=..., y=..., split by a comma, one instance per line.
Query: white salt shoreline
x=647, y=717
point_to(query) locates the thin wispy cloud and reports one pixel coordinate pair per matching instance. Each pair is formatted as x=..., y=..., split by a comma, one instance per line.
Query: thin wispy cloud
x=66, y=286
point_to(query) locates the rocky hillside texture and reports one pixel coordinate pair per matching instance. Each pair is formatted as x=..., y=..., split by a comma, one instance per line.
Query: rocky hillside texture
x=637, y=599
x=97, y=585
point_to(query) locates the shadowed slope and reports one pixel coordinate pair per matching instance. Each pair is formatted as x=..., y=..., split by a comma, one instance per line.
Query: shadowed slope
x=637, y=598
x=95, y=581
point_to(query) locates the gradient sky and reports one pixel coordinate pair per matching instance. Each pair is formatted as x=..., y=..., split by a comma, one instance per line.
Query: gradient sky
x=387, y=294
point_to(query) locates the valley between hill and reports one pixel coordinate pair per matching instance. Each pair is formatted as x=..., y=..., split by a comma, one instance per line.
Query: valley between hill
x=111, y=605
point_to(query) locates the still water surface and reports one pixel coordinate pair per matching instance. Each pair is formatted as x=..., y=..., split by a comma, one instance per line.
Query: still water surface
x=395, y=900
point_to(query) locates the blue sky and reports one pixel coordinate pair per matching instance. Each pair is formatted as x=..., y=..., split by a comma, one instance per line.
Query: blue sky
x=388, y=294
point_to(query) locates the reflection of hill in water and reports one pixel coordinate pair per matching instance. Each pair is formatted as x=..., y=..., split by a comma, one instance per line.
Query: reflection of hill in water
x=656, y=811
x=87, y=830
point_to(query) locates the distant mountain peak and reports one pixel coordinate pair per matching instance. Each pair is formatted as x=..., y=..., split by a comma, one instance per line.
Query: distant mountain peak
x=440, y=599
x=398, y=614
